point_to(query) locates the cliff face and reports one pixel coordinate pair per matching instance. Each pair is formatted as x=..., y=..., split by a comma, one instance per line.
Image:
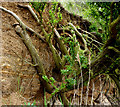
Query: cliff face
x=17, y=74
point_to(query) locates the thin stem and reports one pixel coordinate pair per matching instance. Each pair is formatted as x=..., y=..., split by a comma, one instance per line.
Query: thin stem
x=88, y=79
x=93, y=88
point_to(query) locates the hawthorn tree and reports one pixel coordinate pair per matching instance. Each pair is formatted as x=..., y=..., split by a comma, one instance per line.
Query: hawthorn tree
x=76, y=67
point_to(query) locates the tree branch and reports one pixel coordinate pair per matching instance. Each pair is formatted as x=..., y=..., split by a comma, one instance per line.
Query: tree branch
x=35, y=56
x=31, y=10
x=21, y=23
x=111, y=10
x=114, y=24
x=62, y=46
x=84, y=41
x=87, y=33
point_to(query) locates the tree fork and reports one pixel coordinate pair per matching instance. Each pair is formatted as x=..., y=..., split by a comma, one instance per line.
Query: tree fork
x=35, y=56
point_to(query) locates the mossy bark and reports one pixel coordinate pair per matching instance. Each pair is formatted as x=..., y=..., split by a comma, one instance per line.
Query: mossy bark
x=35, y=56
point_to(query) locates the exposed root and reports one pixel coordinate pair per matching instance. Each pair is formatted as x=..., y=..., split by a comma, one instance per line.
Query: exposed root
x=31, y=10
x=21, y=23
x=80, y=35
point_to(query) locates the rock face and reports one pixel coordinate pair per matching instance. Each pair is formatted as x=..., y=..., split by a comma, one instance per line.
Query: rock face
x=17, y=74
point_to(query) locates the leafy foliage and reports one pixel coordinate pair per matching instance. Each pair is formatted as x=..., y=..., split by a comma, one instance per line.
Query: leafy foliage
x=53, y=20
